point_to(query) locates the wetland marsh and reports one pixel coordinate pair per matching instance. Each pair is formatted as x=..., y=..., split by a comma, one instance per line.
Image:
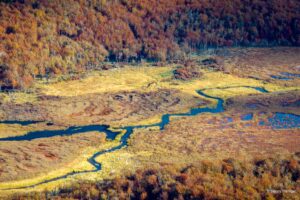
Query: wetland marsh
x=117, y=121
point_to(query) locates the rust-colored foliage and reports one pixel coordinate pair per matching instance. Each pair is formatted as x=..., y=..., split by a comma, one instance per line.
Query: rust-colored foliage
x=186, y=73
x=53, y=37
x=229, y=179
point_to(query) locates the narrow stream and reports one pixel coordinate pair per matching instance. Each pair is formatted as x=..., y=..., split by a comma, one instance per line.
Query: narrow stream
x=165, y=120
x=286, y=76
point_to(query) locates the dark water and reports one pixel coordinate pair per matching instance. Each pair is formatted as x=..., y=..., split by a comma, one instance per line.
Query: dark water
x=285, y=76
x=281, y=77
x=67, y=132
x=282, y=121
x=247, y=117
x=165, y=120
x=290, y=74
x=252, y=105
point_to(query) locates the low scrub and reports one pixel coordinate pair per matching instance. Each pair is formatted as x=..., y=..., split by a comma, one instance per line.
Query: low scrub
x=268, y=178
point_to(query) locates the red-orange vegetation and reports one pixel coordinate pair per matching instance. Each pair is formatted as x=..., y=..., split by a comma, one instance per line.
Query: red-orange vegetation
x=53, y=37
x=204, y=181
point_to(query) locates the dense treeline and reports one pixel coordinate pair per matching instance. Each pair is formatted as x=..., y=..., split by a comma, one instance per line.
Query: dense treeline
x=262, y=179
x=40, y=37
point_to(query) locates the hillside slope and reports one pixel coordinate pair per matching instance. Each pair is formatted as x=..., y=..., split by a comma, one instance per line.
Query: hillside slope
x=43, y=37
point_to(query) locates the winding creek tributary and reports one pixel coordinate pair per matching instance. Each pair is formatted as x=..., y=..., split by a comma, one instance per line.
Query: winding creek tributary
x=110, y=134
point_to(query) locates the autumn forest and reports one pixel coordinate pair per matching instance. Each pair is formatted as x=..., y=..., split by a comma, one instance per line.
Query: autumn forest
x=48, y=38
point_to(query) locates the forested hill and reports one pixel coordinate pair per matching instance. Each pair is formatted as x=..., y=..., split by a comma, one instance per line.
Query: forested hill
x=61, y=36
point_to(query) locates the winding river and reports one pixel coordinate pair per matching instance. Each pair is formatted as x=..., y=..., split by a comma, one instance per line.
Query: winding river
x=110, y=134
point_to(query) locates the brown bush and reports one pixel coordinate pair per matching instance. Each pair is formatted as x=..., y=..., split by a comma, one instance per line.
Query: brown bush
x=187, y=73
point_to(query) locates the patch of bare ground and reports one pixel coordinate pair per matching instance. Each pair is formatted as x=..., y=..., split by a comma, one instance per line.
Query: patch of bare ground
x=117, y=108
x=27, y=159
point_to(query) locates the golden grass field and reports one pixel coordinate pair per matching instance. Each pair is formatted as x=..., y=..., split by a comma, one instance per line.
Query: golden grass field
x=180, y=143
